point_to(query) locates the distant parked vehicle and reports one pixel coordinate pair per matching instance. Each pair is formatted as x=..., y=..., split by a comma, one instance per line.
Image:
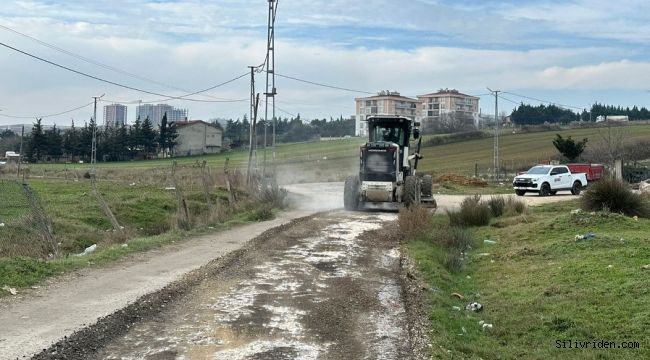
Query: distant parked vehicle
x=548, y=180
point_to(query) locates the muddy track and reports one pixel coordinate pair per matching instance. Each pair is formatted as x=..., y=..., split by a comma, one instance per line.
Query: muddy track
x=329, y=286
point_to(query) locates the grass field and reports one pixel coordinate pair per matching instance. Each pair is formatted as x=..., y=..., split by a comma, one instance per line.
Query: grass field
x=335, y=159
x=538, y=285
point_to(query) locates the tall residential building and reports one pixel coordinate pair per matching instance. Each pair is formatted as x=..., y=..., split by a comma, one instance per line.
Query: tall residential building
x=156, y=112
x=114, y=115
x=445, y=106
x=384, y=103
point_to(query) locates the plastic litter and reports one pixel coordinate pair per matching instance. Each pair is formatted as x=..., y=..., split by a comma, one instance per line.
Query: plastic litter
x=576, y=211
x=490, y=242
x=88, y=250
x=486, y=326
x=645, y=267
x=125, y=245
x=2, y=224
x=587, y=236
x=458, y=295
x=475, y=307
x=456, y=308
x=10, y=290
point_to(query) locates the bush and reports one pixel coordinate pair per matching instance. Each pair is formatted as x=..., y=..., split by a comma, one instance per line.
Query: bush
x=497, y=205
x=273, y=196
x=615, y=196
x=473, y=212
x=413, y=221
x=455, y=238
x=514, y=207
x=263, y=213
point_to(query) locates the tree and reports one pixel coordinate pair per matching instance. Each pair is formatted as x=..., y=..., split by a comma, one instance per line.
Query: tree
x=167, y=136
x=37, y=142
x=71, y=142
x=54, y=143
x=568, y=147
x=148, y=138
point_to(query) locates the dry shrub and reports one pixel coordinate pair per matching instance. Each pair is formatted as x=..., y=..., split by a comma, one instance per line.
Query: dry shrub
x=497, y=205
x=454, y=238
x=615, y=196
x=413, y=221
x=473, y=212
x=514, y=207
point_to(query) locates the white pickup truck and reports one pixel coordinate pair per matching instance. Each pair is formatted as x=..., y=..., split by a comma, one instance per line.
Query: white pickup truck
x=548, y=180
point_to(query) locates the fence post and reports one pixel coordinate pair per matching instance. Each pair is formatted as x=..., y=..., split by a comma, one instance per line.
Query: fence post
x=182, y=203
x=42, y=220
x=206, y=188
x=102, y=203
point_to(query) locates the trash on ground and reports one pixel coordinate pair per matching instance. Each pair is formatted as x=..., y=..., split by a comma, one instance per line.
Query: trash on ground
x=475, y=307
x=645, y=267
x=456, y=308
x=484, y=254
x=10, y=290
x=125, y=245
x=576, y=211
x=458, y=295
x=587, y=236
x=487, y=241
x=2, y=224
x=88, y=250
x=486, y=326
x=636, y=218
x=610, y=266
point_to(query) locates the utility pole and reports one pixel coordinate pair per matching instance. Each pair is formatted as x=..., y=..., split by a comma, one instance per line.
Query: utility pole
x=252, y=135
x=270, y=74
x=93, y=151
x=20, y=154
x=496, y=133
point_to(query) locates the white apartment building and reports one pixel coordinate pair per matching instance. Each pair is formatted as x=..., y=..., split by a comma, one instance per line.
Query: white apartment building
x=156, y=112
x=384, y=103
x=114, y=115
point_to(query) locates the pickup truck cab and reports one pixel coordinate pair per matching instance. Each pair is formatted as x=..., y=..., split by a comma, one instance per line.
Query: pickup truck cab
x=548, y=180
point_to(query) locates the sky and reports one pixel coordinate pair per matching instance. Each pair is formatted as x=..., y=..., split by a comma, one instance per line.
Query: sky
x=573, y=52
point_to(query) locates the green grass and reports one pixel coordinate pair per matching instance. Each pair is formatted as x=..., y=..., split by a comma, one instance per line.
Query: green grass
x=335, y=159
x=539, y=285
x=19, y=271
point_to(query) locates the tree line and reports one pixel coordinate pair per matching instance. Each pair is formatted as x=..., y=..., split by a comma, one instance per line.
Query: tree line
x=139, y=141
x=526, y=114
x=287, y=130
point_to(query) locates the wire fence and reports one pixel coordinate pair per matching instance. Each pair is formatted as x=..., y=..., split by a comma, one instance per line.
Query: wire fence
x=46, y=217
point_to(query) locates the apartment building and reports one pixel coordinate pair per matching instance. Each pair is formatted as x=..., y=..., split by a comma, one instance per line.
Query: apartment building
x=114, y=115
x=156, y=112
x=384, y=103
x=448, y=105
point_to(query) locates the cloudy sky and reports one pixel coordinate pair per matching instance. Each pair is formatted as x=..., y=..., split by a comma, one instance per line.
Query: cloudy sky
x=572, y=52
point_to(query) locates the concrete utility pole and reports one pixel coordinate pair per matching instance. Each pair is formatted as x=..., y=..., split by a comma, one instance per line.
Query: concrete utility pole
x=93, y=151
x=20, y=154
x=270, y=73
x=252, y=131
x=496, y=133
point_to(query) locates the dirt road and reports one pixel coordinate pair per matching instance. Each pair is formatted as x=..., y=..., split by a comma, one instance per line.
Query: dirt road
x=323, y=288
x=37, y=318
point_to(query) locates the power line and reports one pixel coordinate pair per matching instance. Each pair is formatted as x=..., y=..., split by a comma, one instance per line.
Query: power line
x=46, y=116
x=169, y=97
x=543, y=101
x=510, y=100
x=100, y=64
x=324, y=85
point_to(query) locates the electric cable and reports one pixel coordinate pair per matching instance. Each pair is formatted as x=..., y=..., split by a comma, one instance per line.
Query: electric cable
x=169, y=97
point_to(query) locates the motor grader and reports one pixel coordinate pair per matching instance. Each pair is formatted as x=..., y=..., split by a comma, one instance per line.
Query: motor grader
x=387, y=167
